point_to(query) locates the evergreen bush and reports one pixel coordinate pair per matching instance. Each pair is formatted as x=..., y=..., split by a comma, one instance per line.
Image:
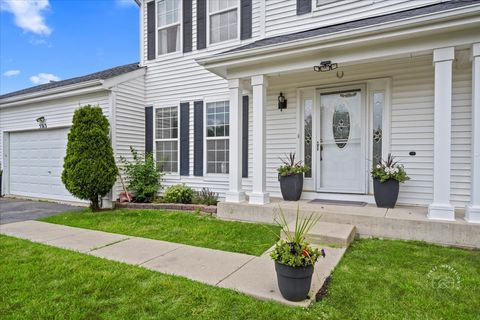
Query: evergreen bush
x=89, y=169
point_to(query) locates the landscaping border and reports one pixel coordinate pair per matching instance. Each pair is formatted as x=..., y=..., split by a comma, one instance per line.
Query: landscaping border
x=210, y=210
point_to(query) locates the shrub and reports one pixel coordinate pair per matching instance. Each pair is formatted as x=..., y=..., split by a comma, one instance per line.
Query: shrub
x=178, y=193
x=206, y=197
x=89, y=169
x=143, y=175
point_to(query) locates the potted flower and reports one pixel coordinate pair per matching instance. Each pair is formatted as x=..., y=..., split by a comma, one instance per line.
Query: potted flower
x=290, y=175
x=295, y=258
x=386, y=178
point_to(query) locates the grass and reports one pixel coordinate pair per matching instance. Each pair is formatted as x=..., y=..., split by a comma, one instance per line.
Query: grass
x=180, y=227
x=376, y=279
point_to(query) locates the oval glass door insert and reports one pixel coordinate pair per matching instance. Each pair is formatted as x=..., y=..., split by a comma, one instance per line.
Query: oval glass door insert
x=341, y=125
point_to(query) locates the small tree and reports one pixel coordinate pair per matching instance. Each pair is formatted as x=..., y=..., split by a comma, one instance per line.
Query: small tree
x=143, y=175
x=89, y=169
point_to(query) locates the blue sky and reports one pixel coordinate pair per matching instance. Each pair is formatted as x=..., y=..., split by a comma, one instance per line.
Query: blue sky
x=42, y=40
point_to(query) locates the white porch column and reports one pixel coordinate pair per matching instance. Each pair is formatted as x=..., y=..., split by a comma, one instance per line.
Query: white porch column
x=235, y=193
x=441, y=208
x=472, y=211
x=259, y=85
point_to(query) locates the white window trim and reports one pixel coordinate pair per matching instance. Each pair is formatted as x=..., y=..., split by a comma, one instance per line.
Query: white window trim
x=205, y=138
x=158, y=28
x=168, y=175
x=209, y=14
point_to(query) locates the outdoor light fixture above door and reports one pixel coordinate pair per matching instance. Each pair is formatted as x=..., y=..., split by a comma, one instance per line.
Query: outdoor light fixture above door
x=282, y=102
x=325, y=66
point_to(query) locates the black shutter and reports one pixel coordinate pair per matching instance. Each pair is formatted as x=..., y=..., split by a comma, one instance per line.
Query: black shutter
x=151, y=30
x=201, y=24
x=245, y=137
x=184, y=138
x=187, y=25
x=198, y=138
x=148, y=129
x=245, y=19
x=304, y=6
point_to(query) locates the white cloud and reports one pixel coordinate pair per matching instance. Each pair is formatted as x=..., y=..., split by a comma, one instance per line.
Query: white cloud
x=11, y=73
x=42, y=78
x=28, y=14
x=126, y=3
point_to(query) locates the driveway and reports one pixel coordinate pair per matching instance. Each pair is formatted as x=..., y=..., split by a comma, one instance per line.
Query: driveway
x=13, y=210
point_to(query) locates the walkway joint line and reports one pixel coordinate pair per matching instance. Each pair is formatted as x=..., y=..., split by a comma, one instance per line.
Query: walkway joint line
x=234, y=271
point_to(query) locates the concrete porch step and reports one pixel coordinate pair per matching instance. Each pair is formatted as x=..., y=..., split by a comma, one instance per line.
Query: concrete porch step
x=327, y=233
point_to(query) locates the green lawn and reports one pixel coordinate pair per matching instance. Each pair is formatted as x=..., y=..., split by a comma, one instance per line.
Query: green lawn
x=375, y=280
x=181, y=227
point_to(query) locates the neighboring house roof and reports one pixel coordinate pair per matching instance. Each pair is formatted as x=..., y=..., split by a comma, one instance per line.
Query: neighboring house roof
x=354, y=24
x=101, y=75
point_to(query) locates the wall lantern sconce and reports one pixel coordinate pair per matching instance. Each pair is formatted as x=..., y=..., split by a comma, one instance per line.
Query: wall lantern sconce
x=282, y=102
x=42, y=122
x=325, y=66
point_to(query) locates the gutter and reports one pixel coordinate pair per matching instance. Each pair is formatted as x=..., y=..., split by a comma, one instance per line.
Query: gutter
x=222, y=59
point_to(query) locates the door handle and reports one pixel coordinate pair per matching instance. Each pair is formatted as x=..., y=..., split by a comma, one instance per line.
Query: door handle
x=320, y=148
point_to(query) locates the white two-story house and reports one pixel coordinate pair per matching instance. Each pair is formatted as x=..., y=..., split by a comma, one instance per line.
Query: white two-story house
x=404, y=75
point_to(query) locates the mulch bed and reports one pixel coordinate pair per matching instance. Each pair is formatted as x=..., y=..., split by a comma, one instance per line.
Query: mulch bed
x=209, y=210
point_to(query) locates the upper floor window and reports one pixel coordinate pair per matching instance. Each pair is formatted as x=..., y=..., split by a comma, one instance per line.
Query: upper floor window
x=166, y=138
x=223, y=15
x=168, y=26
x=218, y=120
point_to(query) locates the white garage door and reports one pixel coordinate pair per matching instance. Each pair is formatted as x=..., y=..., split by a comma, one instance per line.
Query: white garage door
x=36, y=164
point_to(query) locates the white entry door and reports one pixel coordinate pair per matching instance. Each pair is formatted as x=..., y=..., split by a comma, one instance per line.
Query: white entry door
x=36, y=164
x=341, y=149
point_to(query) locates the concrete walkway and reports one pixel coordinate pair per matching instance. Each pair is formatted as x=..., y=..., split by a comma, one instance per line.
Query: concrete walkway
x=248, y=274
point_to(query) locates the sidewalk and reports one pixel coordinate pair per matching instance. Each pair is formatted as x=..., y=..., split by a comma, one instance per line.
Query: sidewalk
x=248, y=274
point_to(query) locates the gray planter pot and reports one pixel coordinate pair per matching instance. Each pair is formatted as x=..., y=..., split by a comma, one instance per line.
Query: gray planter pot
x=386, y=193
x=294, y=283
x=291, y=186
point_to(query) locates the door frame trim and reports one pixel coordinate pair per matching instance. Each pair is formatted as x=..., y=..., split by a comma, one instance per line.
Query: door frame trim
x=363, y=139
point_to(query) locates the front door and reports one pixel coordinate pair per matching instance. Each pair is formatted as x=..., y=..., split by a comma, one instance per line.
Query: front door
x=341, y=145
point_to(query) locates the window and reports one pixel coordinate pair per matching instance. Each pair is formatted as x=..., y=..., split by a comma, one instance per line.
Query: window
x=307, y=135
x=378, y=105
x=218, y=114
x=166, y=138
x=223, y=16
x=168, y=26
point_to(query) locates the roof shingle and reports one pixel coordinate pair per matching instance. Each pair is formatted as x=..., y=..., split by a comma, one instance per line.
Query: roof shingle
x=101, y=75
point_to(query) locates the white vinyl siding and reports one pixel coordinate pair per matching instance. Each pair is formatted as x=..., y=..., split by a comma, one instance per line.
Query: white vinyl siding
x=129, y=114
x=281, y=15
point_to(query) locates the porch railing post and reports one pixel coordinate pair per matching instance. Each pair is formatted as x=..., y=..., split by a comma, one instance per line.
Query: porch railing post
x=441, y=208
x=472, y=211
x=259, y=88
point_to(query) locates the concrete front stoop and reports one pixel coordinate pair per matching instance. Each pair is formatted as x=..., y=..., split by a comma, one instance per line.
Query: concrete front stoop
x=328, y=234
